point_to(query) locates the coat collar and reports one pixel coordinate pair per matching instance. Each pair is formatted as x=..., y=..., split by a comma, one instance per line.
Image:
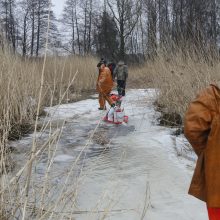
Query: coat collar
x=216, y=86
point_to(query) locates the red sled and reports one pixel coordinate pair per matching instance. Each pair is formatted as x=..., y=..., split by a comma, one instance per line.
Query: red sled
x=125, y=120
x=116, y=115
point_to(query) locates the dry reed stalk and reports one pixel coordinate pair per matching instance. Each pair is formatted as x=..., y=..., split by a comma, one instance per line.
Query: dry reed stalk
x=33, y=151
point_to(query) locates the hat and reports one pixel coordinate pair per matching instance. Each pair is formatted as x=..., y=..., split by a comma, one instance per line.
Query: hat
x=121, y=62
x=101, y=62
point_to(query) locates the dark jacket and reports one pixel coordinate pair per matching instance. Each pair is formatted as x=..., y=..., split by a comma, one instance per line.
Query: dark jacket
x=121, y=72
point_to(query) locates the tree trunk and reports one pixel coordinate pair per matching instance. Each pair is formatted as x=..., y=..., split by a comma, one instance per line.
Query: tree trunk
x=152, y=28
x=12, y=27
x=77, y=30
x=90, y=28
x=73, y=33
x=24, y=47
x=85, y=29
x=38, y=28
x=32, y=32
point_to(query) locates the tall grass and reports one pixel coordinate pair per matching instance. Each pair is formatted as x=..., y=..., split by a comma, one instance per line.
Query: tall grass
x=20, y=84
x=178, y=78
x=65, y=78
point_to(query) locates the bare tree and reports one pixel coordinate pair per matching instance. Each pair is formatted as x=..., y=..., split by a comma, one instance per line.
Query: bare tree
x=69, y=20
x=126, y=14
x=152, y=27
x=164, y=22
x=7, y=9
x=77, y=18
x=24, y=20
x=33, y=24
x=87, y=7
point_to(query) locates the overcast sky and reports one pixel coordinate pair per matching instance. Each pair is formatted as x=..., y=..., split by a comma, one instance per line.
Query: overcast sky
x=58, y=6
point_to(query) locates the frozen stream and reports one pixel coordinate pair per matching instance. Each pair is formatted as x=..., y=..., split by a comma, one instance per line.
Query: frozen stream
x=121, y=172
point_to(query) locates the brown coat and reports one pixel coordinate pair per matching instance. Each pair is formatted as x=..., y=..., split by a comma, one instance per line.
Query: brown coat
x=104, y=82
x=202, y=129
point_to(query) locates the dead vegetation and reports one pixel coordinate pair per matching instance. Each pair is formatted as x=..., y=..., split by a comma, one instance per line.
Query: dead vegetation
x=20, y=84
x=178, y=79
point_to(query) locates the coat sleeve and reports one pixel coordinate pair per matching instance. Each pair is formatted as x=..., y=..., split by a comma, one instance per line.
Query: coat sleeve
x=197, y=123
x=102, y=77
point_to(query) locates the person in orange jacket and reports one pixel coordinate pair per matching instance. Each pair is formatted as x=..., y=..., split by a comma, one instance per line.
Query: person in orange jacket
x=202, y=129
x=104, y=85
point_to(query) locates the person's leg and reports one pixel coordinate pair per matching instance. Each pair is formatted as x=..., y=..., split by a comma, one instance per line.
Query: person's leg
x=107, y=97
x=120, y=87
x=123, y=87
x=101, y=101
x=214, y=213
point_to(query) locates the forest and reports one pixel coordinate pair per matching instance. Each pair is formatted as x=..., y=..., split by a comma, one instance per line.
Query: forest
x=115, y=29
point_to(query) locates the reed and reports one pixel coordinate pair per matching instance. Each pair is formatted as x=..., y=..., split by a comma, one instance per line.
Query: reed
x=177, y=78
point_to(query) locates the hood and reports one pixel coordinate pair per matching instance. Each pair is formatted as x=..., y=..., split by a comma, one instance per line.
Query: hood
x=216, y=84
x=121, y=63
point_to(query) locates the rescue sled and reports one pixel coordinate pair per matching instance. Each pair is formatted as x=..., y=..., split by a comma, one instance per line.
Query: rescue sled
x=116, y=115
x=125, y=120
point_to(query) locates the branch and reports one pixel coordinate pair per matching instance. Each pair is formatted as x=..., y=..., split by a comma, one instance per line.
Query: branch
x=138, y=10
x=112, y=10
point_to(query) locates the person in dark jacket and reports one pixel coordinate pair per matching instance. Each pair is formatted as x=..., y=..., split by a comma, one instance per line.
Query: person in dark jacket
x=111, y=66
x=121, y=73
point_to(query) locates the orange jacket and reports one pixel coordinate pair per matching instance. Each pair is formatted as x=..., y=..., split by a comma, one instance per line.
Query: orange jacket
x=202, y=129
x=104, y=81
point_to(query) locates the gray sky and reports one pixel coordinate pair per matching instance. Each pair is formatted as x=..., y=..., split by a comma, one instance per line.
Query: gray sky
x=58, y=6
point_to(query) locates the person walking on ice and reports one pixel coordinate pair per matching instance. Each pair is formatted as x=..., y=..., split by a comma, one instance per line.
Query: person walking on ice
x=121, y=73
x=202, y=129
x=104, y=85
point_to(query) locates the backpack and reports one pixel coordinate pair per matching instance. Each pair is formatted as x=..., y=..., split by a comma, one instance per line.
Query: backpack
x=111, y=66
